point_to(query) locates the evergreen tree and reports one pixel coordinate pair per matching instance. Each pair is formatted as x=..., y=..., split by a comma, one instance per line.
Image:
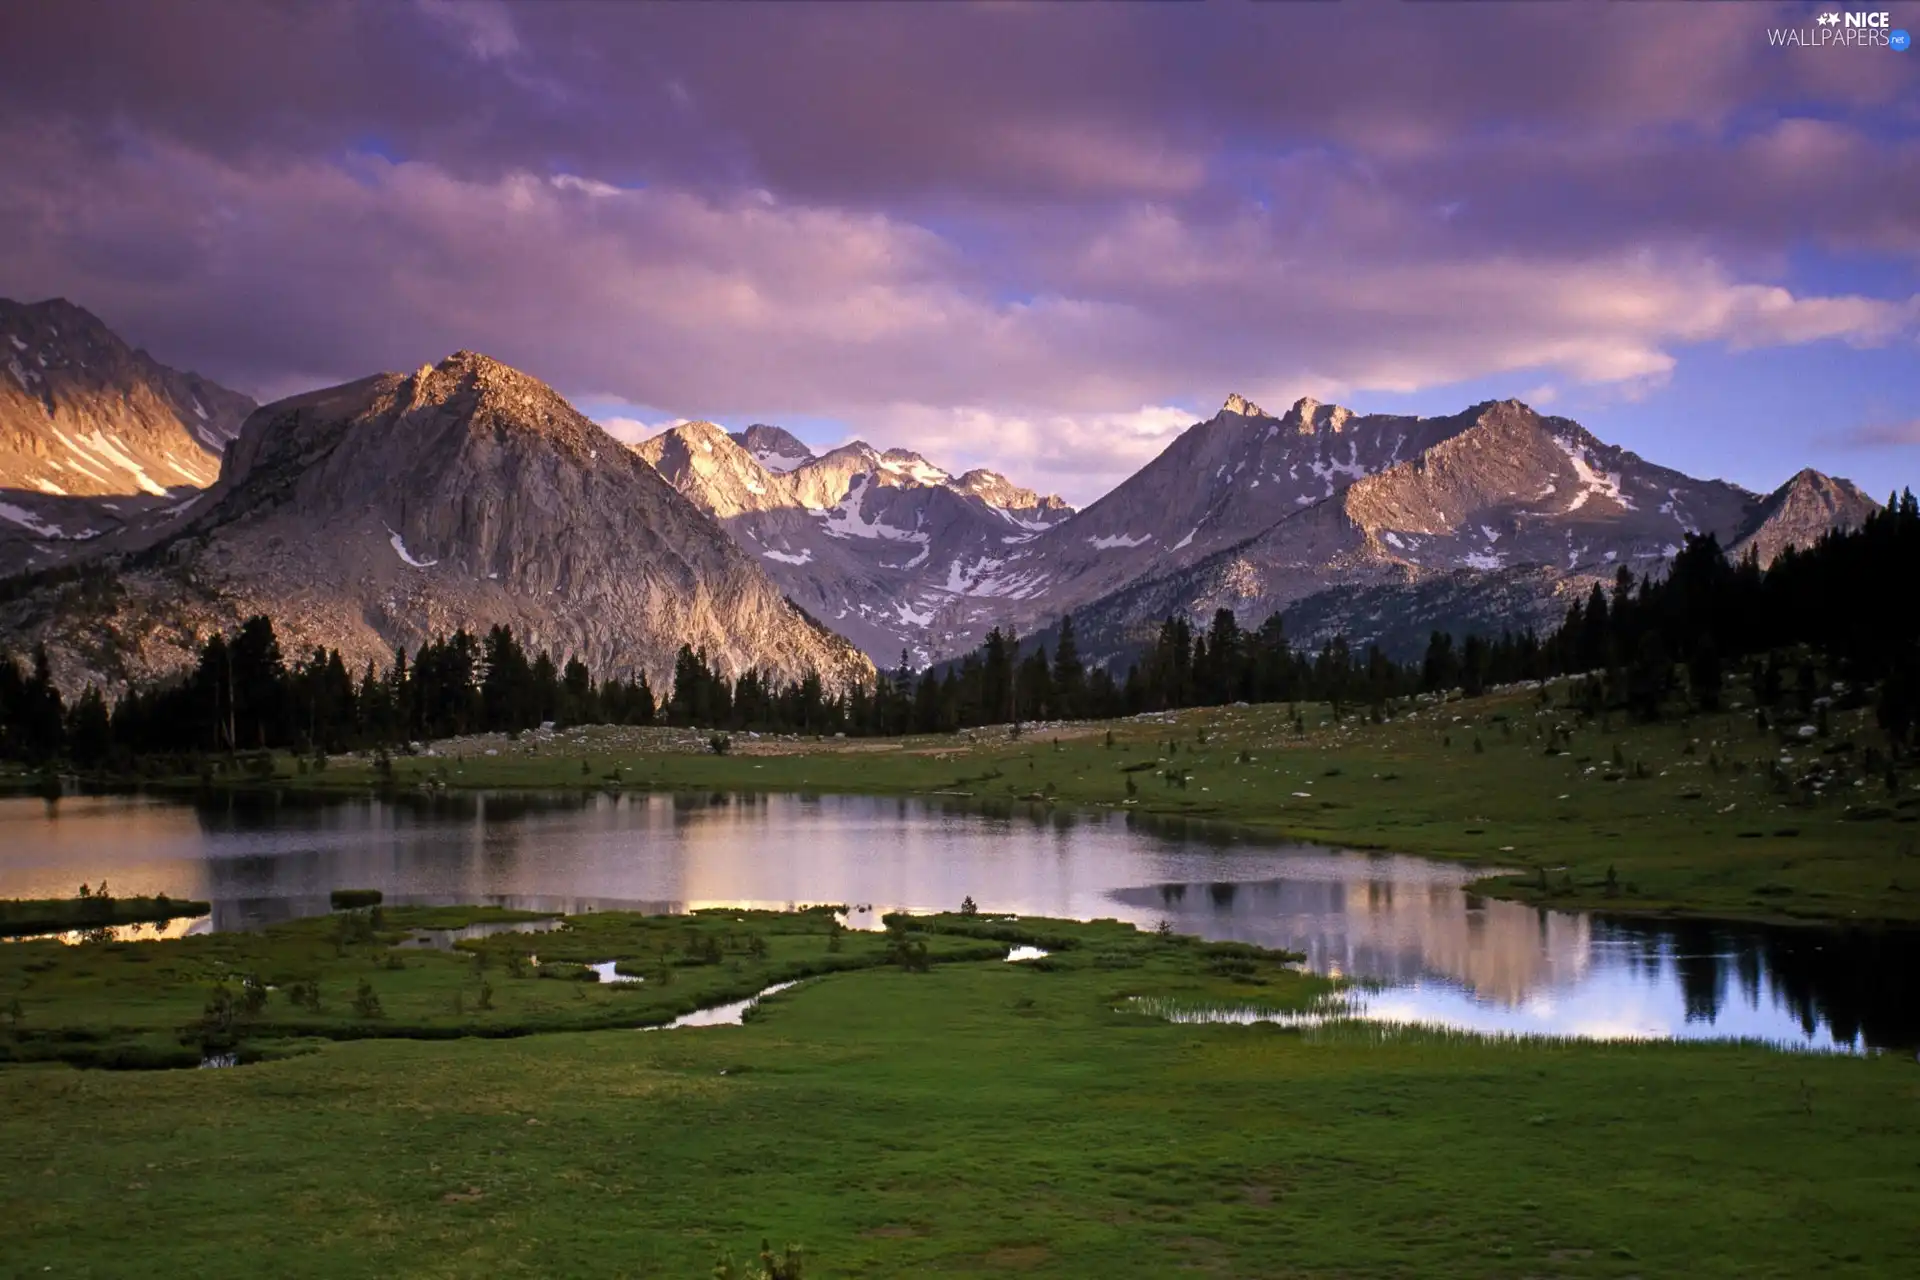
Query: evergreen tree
x=1069, y=675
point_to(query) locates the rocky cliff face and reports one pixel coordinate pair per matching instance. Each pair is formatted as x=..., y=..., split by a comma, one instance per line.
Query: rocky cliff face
x=872, y=543
x=388, y=510
x=96, y=438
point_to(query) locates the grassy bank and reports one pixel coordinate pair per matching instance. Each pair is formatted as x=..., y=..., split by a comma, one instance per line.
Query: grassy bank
x=1709, y=815
x=363, y=975
x=94, y=911
x=976, y=1119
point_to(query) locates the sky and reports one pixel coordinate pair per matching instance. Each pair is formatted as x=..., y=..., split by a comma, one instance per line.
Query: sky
x=1040, y=237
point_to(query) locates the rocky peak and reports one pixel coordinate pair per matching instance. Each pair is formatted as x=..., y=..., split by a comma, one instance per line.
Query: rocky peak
x=1309, y=417
x=468, y=493
x=82, y=413
x=1237, y=403
x=996, y=490
x=775, y=449
x=1799, y=512
x=909, y=466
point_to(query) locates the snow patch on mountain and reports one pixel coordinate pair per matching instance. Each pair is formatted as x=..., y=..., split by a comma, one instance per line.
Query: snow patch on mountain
x=785, y=557
x=912, y=466
x=30, y=522
x=1594, y=483
x=848, y=521
x=400, y=547
x=1118, y=540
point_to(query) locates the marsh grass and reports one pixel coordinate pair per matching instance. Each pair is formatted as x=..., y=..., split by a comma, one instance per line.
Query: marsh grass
x=346, y=976
x=981, y=1119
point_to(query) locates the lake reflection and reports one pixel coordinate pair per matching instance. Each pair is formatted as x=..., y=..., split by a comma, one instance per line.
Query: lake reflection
x=1430, y=951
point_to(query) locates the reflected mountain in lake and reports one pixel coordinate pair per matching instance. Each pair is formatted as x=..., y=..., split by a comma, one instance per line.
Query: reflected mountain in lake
x=1427, y=949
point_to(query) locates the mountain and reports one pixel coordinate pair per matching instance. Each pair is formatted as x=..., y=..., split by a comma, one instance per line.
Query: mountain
x=873, y=543
x=398, y=507
x=1799, y=512
x=96, y=438
x=1491, y=519
x=773, y=448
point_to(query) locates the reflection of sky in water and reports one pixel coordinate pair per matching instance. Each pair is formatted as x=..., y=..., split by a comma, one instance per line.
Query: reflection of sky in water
x=1401, y=924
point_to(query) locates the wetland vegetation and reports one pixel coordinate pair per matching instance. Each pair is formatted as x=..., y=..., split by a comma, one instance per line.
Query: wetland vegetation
x=966, y=1116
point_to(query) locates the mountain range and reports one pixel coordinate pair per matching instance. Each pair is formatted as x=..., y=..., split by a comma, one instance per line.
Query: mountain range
x=872, y=543
x=403, y=506
x=1381, y=527
x=157, y=505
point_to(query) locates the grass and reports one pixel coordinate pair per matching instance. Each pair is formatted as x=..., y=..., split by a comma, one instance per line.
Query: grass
x=152, y=1004
x=980, y=1119
x=95, y=911
x=1686, y=814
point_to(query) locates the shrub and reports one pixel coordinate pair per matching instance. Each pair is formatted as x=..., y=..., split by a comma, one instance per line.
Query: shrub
x=366, y=1004
x=354, y=899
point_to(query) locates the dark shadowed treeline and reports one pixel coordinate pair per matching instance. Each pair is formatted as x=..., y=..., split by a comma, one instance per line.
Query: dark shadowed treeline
x=1845, y=611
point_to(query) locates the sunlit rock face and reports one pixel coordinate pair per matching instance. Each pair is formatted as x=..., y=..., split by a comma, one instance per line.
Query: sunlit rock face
x=97, y=440
x=385, y=511
x=1799, y=513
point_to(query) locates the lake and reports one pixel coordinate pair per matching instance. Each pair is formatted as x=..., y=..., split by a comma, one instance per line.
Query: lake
x=1426, y=950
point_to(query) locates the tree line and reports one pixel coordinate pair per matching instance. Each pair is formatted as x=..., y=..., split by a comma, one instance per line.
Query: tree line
x=1843, y=609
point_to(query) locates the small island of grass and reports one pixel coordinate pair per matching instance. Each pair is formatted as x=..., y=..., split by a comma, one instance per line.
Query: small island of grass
x=91, y=909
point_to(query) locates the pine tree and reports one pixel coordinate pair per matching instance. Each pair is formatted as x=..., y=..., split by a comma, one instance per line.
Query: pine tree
x=1069, y=675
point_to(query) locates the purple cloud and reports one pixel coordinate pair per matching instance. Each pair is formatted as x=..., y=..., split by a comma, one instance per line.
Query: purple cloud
x=1040, y=237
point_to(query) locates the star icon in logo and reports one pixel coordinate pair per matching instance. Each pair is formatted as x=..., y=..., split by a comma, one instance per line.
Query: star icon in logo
x=1829, y=19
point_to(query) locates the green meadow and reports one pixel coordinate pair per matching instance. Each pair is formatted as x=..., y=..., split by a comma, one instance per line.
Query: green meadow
x=951, y=1115
x=918, y=1105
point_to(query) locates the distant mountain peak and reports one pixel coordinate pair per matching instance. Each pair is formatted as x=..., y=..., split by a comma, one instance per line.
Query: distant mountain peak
x=774, y=448
x=1237, y=403
x=1800, y=512
x=1309, y=417
x=83, y=414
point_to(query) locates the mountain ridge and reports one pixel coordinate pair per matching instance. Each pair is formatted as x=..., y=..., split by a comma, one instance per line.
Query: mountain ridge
x=395, y=508
x=98, y=440
x=861, y=538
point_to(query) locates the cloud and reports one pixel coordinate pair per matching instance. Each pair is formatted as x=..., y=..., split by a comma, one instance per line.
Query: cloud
x=1079, y=456
x=633, y=430
x=1885, y=434
x=483, y=27
x=1042, y=238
